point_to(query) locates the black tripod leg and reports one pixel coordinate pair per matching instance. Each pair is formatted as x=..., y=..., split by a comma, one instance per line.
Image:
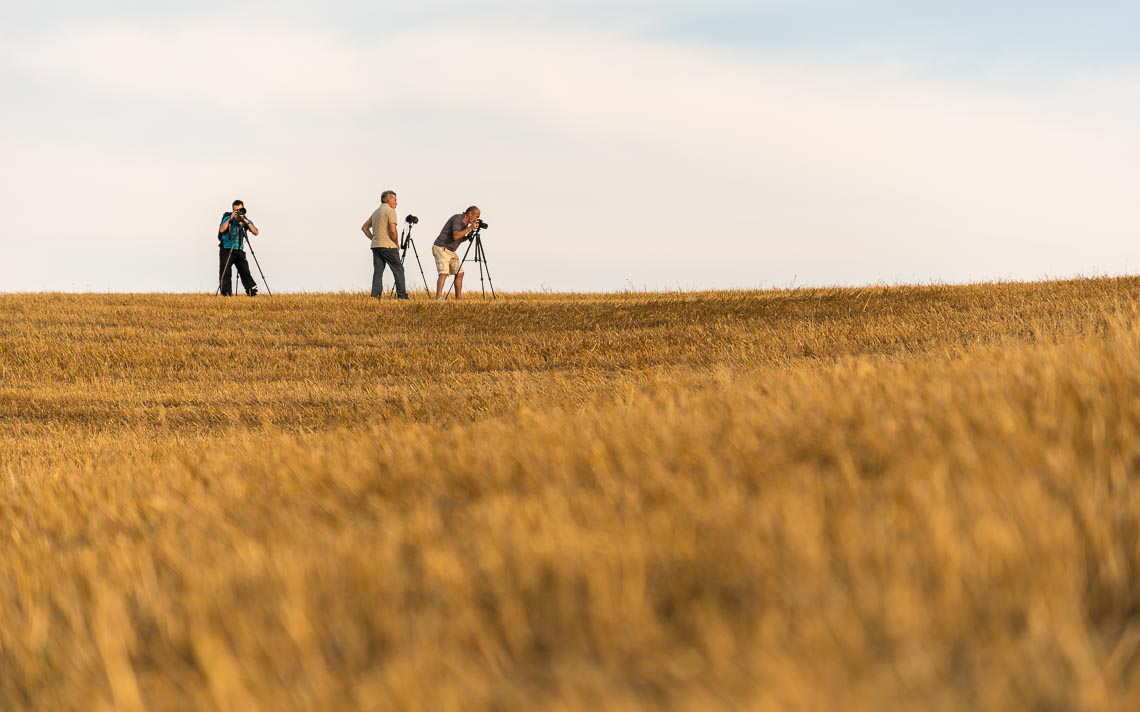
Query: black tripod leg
x=421, y=265
x=483, y=263
x=225, y=272
x=263, y=280
x=479, y=259
x=490, y=283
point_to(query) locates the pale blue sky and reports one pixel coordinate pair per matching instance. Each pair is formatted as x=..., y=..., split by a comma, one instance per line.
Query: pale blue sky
x=972, y=31
x=1047, y=31
x=611, y=144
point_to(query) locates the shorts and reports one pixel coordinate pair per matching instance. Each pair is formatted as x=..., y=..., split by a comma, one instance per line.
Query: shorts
x=446, y=261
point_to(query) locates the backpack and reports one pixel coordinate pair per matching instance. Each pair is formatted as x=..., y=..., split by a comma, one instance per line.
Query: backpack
x=219, y=230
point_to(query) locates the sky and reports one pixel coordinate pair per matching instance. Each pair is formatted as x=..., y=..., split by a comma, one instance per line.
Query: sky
x=611, y=145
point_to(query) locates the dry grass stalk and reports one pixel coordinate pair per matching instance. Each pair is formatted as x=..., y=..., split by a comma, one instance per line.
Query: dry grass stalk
x=889, y=498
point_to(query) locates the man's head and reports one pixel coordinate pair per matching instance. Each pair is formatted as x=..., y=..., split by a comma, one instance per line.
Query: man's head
x=471, y=214
x=238, y=205
x=389, y=197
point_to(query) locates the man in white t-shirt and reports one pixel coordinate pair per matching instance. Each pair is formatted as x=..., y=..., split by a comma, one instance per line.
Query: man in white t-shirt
x=382, y=229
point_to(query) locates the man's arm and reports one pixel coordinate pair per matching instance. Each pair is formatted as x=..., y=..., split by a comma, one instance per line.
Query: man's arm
x=460, y=235
x=366, y=228
x=252, y=228
x=225, y=226
x=395, y=236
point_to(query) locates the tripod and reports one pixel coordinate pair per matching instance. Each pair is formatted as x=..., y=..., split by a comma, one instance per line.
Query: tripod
x=229, y=257
x=407, y=240
x=481, y=258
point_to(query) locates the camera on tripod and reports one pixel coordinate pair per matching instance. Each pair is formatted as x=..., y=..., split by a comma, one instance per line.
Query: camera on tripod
x=411, y=220
x=482, y=225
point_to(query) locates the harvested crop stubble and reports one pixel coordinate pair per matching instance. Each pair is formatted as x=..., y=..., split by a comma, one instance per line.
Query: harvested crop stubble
x=888, y=498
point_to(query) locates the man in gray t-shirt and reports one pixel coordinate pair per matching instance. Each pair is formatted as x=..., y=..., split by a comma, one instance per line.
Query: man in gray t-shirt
x=457, y=229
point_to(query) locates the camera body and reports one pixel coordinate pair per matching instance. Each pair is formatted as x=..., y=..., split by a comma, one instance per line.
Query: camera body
x=411, y=220
x=482, y=225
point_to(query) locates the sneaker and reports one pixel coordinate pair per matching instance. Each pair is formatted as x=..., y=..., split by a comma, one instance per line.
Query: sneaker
x=252, y=291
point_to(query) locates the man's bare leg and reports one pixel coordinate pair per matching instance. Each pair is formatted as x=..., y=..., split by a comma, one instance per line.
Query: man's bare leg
x=442, y=280
x=459, y=285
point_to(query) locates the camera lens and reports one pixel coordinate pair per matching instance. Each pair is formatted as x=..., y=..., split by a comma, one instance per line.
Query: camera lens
x=412, y=219
x=482, y=225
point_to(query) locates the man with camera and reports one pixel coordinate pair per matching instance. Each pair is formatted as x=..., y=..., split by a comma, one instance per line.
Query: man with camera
x=382, y=229
x=232, y=234
x=457, y=229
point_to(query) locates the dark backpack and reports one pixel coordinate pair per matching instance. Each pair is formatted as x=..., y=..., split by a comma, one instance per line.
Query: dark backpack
x=220, y=233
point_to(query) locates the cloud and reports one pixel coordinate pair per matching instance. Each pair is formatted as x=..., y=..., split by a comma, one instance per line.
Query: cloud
x=219, y=63
x=601, y=159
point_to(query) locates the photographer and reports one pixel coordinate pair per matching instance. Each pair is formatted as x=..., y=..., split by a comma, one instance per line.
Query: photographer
x=455, y=231
x=382, y=229
x=232, y=234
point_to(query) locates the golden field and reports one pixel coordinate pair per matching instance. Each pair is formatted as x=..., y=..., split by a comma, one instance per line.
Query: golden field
x=887, y=498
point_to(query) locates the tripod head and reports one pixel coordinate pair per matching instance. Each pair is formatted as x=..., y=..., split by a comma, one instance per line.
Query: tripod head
x=406, y=235
x=476, y=237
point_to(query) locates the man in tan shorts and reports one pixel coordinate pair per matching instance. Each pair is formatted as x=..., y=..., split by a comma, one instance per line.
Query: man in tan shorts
x=458, y=228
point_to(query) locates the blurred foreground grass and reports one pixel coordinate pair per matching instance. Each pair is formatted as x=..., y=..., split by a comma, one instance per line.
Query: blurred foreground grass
x=888, y=498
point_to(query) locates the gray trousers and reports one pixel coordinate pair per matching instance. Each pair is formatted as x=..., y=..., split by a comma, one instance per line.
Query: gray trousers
x=389, y=256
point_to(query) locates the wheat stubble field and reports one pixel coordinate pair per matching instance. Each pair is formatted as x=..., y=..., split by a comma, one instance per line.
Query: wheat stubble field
x=884, y=498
